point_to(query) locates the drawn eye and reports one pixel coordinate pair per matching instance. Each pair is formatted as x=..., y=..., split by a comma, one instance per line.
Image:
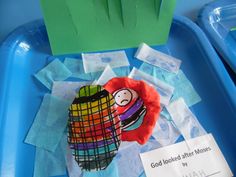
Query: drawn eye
x=118, y=95
x=125, y=93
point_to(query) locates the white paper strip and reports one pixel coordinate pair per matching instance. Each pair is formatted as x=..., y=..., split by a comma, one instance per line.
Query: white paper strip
x=165, y=90
x=67, y=90
x=185, y=120
x=72, y=166
x=107, y=74
x=94, y=62
x=165, y=132
x=156, y=58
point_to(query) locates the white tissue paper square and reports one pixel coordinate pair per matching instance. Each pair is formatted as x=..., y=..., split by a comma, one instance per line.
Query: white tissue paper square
x=66, y=89
x=156, y=58
x=165, y=132
x=185, y=120
x=165, y=90
x=94, y=62
x=107, y=74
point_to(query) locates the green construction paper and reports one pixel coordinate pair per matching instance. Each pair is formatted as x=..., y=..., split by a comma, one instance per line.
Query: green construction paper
x=157, y=5
x=129, y=13
x=75, y=26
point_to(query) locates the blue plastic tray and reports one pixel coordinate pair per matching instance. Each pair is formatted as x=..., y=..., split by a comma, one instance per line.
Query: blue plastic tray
x=216, y=19
x=27, y=50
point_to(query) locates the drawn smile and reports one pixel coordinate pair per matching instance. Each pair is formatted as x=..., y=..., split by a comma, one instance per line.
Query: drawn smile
x=124, y=100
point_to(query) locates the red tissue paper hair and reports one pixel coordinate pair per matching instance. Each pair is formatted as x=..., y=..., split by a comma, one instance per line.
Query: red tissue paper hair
x=151, y=100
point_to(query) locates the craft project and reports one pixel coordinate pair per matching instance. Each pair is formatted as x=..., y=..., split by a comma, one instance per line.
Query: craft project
x=93, y=25
x=93, y=128
x=130, y=107
x=138, y=105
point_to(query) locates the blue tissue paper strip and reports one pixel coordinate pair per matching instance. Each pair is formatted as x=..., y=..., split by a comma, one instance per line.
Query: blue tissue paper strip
x=49, y=124
x=122, y=71
x=110, y=171
x=128, y=157
x=183, y=87
x=143, y=174
x=54, y=71
x=128, y=160
x=77, y=69
x=72, y=166
x=166, y=115
x=51, y=163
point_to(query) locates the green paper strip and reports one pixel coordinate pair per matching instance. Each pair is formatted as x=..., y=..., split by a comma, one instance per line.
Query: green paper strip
x=129, y=14
x=157, y=6
x=59, y=32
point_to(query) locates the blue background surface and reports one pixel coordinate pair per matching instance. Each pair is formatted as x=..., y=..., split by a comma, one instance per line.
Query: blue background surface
x=14, y=13
x=27, y=50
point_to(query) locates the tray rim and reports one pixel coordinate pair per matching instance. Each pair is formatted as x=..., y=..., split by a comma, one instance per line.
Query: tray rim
x=213, y=60
x=205, y=13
